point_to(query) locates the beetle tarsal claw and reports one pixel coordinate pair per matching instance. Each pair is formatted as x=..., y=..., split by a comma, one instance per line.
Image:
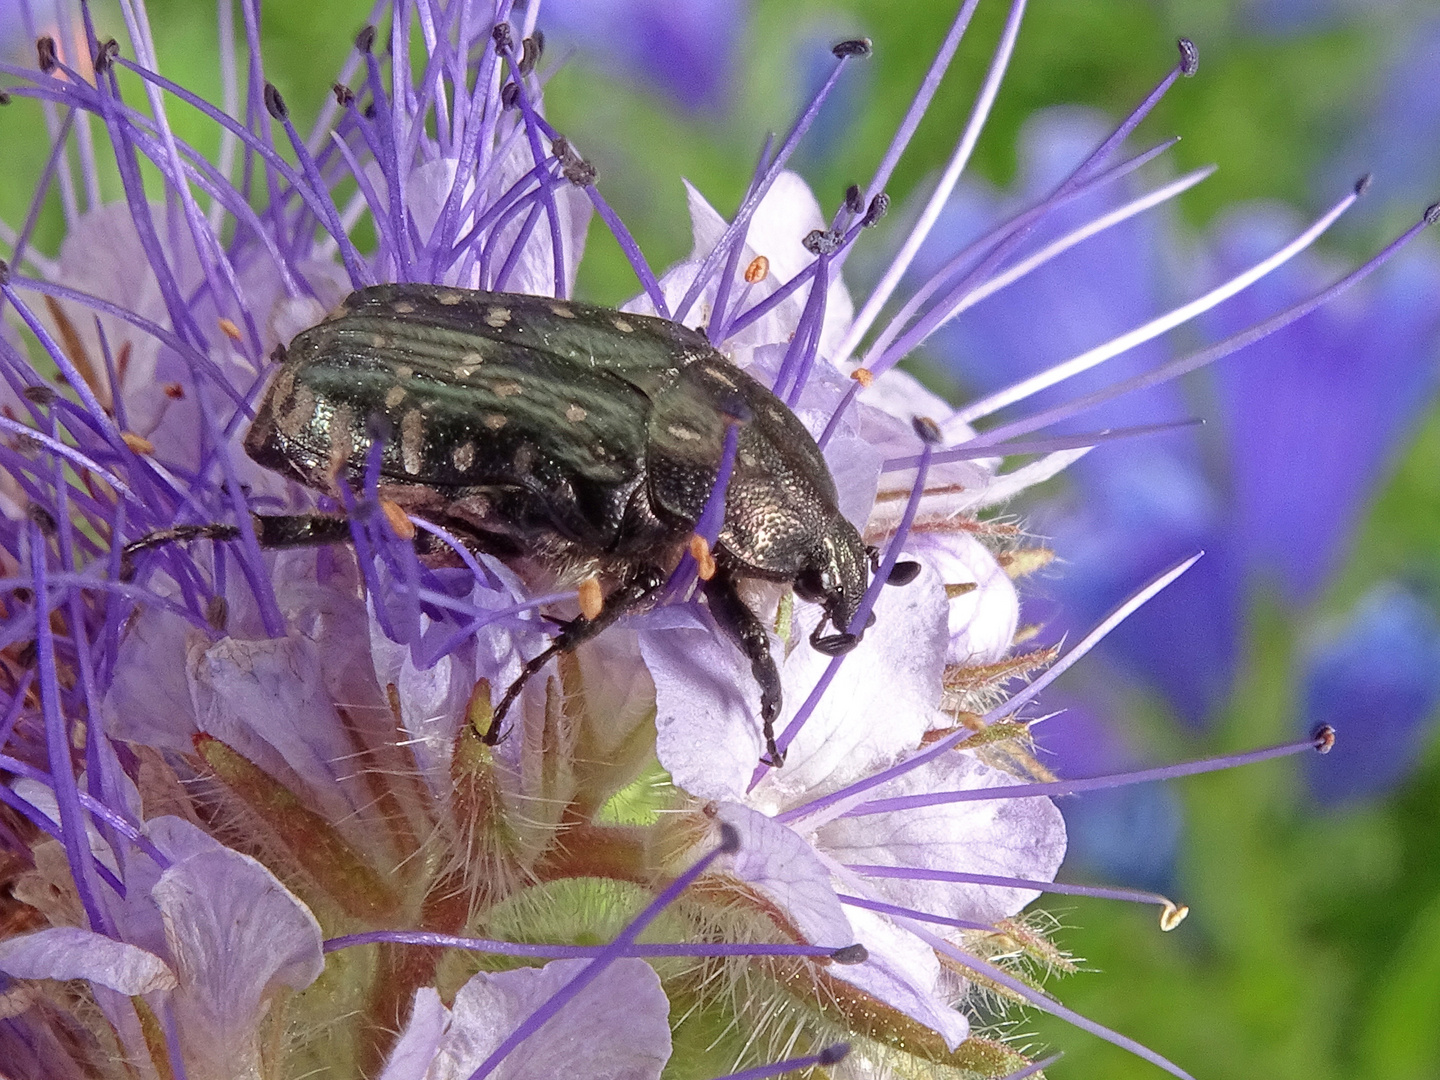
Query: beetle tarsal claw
x=834, y=644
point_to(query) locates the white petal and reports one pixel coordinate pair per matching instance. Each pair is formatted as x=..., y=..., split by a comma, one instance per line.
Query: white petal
x=983, y=620
x=902, y=971
x=1020, y=838
x=67, y=952
x=785, y=868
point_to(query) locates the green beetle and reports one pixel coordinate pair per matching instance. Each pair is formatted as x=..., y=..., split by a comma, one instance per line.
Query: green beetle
x=564, y=439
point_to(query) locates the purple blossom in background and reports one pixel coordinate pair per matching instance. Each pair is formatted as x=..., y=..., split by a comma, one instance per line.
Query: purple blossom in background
x=252, y=821
x=1373, y=676
x=685, y=50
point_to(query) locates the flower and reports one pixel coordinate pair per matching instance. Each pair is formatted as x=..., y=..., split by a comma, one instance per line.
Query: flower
x=257, y=810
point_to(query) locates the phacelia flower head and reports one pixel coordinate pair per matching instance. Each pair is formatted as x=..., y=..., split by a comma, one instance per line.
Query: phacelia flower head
x=281, y=807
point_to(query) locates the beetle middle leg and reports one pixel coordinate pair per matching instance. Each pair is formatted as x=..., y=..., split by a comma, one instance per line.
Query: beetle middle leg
x=271, y=530
x=747, y=631
x=635, y=592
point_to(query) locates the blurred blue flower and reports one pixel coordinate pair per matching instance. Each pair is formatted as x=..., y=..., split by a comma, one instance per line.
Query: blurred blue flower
x=1376, y=679
x=683, y=50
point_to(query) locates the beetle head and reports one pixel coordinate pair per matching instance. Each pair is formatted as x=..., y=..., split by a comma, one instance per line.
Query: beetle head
x=835, y=575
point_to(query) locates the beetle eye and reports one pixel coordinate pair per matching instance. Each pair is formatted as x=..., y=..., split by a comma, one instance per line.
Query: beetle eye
x=809, y=586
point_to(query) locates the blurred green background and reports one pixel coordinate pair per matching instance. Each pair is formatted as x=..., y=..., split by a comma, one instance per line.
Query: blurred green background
x=1313, y=946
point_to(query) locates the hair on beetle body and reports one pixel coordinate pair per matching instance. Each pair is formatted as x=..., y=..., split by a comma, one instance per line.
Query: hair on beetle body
x=563, y=436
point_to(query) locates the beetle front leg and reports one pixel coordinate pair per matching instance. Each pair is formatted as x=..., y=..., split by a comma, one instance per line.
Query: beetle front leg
x=748, y=632
x=638, y=590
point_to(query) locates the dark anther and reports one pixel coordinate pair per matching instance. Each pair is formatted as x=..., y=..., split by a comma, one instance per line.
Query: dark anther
x=24, y=595
x=1189, y=57
x=1363, y=184
x=344, y=96
x=274, y=103
x=365, y=39
x=29, y=654
x=106, y=54
x=42, y=518
x=903, y=572
x=853, y=47
x=503, y=39
x=834, y=1054
x=1324, y=738
x=729, y=838
x=39, y=395
x=560, y=147
x=1431, y=215
x=821, y=242
x=580, y=172
x=369, y=111
x=851, y=954
x=217, y=612
x=509, y=95
x=45, y=51
x=878, y=205
x=539, y=37
x=854, y=199
x=4, y=272
x=4, y=98
x=277, y=354
x=529, y=55
x=927, y=429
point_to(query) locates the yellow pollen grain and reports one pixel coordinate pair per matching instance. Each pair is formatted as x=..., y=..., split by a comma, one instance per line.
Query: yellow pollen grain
x=704, y=560
x=399, y=523
x=864, y=376
x=953, y=592
x=137, y=443
x=592, y=601
x=757, y=271
x=230, y=330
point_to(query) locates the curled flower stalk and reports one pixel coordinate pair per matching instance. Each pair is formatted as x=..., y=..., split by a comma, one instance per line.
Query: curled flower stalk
x=263, y=815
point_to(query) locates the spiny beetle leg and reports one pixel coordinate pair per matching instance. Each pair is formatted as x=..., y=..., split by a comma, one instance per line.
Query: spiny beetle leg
x=639, y=589
x=748, y=632
x=272, y=530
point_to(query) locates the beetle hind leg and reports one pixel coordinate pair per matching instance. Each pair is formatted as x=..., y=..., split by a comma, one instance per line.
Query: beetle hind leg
x=744, y=628
x=637, y=590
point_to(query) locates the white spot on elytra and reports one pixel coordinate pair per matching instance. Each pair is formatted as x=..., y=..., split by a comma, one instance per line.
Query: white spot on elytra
x=563, y=311
x=574, y=413
x=497, y=317
x=394, y=396
x=623, y=326
x=509, y=389
x=683, y=433
x=412, y=435
x=494, y=421
x=463, y=456
x=402, y=307
x=449, y=299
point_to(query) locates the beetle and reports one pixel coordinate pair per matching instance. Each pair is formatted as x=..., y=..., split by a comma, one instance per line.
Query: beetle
x=568, y=440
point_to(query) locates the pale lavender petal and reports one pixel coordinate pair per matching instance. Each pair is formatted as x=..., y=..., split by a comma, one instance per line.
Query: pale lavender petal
x=617, y=1028
x=418, y=1044
x=1022, y=838
x=783, y=867
x=67, y=952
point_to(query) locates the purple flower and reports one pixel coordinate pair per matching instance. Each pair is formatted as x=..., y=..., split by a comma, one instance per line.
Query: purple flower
x=194, y=719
